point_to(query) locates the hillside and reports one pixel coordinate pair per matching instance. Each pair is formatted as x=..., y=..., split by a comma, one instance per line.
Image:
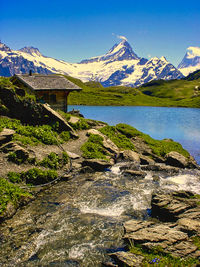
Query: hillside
x=180, y=93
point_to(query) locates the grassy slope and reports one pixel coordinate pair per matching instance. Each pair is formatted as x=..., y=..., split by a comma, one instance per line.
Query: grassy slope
x=179, y=93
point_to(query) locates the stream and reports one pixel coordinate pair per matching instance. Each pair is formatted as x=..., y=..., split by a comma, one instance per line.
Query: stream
x=78, y=222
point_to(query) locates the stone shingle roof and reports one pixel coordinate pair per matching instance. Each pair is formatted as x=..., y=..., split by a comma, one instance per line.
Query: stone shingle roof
x=39, y=82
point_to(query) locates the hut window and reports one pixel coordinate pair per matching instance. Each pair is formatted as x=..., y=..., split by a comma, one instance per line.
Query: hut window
x=53, y=98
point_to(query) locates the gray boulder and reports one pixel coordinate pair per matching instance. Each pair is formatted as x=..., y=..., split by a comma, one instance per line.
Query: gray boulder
x=96, y=164
x=135, y=173
x=130, y=156
x=6, y=136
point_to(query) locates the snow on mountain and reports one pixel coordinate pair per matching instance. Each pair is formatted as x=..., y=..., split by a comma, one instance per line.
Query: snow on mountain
x=31, y=50
x=120, y=66
x=191, y=61
x=119, y=52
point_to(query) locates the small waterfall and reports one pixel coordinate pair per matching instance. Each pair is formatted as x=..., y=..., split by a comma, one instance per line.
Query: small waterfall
x=75, y=223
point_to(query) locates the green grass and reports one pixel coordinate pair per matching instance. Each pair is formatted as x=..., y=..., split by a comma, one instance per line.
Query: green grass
x=174, y=93
x=80, y=125
x=34, y=135
x=120, y=140
x=173, y=89
x=54, y=161
x=10, y=193
x=159, y=147
x=17, y=157
x=157, y=257
x=93, y=148
x=33, y=176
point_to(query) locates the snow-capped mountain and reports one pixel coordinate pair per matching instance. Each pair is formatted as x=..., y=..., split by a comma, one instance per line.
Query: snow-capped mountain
x=118, y=52
x=120, y=66
x=191, y=61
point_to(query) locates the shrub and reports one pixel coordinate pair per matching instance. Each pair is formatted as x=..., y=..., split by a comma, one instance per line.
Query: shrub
x=53, y=161
x=65, y=136
x=17, y=157
x=93, y=148
x=80, y=125
x=10, y=193
x=33, y=176
x=120, y=140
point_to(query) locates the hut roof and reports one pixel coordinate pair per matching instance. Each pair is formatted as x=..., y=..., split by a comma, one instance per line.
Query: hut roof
x=39, y=82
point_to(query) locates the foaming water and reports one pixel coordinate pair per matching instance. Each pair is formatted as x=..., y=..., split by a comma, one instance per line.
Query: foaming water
x=180, y=182
x=74, y=223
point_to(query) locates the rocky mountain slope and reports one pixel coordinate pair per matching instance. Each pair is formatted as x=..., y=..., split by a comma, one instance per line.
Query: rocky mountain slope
x=120, y=66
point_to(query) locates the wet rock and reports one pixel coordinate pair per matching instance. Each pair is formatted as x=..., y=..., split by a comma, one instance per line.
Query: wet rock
x=134, y=173
x=86, y=169
x=175, y=233
x=171, y=207
x=6, y=136
x=145, y=160
x=167, y=236
x=96, y=164
x=176, y=159
x=160, y=167
x=130, y=155
x=127, y=258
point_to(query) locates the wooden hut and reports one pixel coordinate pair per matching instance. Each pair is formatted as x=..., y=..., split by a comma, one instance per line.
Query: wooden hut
x=52, y=89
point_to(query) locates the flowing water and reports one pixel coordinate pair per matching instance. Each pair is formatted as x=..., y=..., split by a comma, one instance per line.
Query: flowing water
x=78, y=222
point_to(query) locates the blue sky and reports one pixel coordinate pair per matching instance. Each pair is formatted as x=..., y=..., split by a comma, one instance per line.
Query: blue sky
x=75, y=30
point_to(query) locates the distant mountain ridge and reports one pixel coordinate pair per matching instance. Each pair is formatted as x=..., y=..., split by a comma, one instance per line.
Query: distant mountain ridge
x=119, y=66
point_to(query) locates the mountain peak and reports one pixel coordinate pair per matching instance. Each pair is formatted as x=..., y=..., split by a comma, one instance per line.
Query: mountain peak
x=119, y=52
x=31, y=50
x=4, y=47
x=193, y=51
x=191, y=60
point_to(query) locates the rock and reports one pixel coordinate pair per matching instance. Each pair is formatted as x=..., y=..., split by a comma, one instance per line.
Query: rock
x=73, y=119
x=160, y=167
x=96, y=164
x=127, y=258
x=6, y=136
x=190, y=226
x=21, y=153
x=55, y=116
x=175, y=233
x=171, y=207
x=130, y=155
x=73, y=155
x=144, y=160
x=107, y=143
x=167, y=236
x=86, y=169
x=176, y=159
x=134, y=173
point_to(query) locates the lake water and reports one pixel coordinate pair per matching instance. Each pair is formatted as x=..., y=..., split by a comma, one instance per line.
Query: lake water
x=180, y=124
